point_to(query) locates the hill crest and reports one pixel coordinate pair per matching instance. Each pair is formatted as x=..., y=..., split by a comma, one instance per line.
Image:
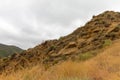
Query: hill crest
x=8, y=50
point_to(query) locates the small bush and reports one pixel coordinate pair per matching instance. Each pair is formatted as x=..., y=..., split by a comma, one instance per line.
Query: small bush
x=85, y=56
x=107, y=42
x=52, y=48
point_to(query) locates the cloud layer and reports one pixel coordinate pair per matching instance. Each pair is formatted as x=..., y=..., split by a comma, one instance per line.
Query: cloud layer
x=26, y=23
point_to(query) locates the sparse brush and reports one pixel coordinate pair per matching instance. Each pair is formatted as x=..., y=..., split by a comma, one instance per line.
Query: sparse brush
x=107, y=42
x=85, y=56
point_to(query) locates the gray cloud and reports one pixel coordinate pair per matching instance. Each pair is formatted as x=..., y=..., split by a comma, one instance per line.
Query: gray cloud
x=26, y=23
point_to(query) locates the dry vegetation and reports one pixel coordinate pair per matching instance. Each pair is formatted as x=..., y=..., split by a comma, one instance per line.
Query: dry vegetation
x=105, y=66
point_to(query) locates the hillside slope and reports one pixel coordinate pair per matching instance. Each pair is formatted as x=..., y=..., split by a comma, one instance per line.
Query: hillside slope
x=105, y=66
x=6, y=50
x=83, y=43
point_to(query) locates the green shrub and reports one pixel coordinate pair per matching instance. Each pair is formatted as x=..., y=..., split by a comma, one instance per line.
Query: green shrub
x=52, y=48
x=107, y=42
x=85, y=56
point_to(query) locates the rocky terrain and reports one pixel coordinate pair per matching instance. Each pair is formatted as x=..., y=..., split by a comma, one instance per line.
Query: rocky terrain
x=82, y=44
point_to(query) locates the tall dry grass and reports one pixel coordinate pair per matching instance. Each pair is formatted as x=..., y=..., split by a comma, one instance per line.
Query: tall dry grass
x=105, y=66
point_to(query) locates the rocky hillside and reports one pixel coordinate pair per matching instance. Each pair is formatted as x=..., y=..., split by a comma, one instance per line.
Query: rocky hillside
x=83, y=43
x=104, y=66
x=6, y=50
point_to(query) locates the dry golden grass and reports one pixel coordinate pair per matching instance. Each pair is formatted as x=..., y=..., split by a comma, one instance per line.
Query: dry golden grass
x=105, y=66
x=27, y=74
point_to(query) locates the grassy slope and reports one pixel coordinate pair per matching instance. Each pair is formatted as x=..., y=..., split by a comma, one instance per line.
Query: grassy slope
x=6, y=50
x=105, y=66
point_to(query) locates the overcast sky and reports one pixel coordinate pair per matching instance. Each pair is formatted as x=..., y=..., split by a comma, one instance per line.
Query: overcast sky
x=26, y=23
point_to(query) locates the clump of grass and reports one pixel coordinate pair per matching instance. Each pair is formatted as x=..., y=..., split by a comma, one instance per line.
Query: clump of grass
x=52, y=48
x=86, y=56
x=107, y=42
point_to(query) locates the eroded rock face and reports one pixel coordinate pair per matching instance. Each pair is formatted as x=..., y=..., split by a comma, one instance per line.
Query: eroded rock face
x=90, y=37
x=71, y=45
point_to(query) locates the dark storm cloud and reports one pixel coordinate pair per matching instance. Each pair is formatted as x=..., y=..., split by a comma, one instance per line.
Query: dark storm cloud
x=26, y=23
